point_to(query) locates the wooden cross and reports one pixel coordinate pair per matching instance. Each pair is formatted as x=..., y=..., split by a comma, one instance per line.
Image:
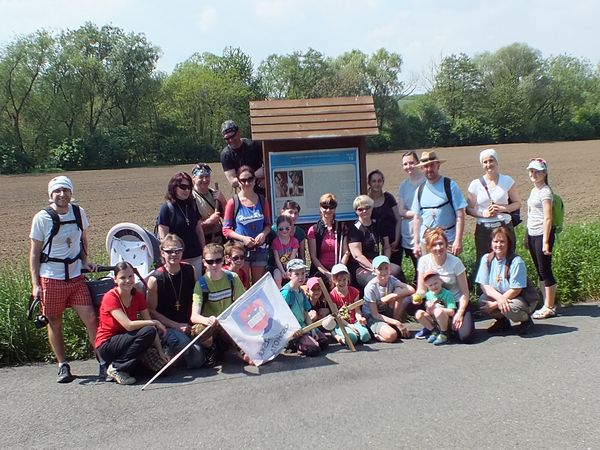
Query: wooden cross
x=335, y=313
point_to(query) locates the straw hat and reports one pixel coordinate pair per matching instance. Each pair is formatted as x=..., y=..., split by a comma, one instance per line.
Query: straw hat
x=428, y=158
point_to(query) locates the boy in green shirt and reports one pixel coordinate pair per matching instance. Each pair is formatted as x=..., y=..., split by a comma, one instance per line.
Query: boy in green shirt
x=440, y=307
x=215, y=291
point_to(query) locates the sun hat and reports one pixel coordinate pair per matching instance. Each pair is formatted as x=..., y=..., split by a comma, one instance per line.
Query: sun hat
x=538, y=164
x=295, y=264
x=229, y=128
x=488, y=152
x=379, y=260
x=59, y=182
x=428, y=158
x=339, y=268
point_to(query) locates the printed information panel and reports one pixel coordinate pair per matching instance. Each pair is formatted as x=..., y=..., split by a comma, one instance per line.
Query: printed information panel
x=303, y=176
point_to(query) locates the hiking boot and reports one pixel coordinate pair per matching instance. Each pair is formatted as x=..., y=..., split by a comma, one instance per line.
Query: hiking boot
x=214, y=355
x=423, y=334
x=433, y=336
x=524, y=327
x=64, y=374
x=500, y=326
x=441, y=339
x=119, y=376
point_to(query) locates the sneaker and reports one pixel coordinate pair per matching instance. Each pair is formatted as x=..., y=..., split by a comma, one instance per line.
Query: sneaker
x=119, y=376
x=423, y=334
x=499, y=326
x=102, y=375
x=433, y=336
x=544, y=313
x=441, y=339
x=64, y=374
x=524, y=327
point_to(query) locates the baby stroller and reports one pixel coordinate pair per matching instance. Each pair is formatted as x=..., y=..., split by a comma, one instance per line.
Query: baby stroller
x=139, y=247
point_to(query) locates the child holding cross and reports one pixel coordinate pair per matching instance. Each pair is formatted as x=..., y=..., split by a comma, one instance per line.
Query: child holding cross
x=312, y=343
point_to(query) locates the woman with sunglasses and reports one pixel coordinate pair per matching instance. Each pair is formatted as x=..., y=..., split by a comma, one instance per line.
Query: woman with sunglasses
x=540, y=234
x=169, y=296
x=210, y=203
x=250, y=224
x=366, y=240
x=326, y=243
x=179, y=215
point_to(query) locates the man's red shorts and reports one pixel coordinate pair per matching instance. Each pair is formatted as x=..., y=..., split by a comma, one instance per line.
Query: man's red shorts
x=57, y=295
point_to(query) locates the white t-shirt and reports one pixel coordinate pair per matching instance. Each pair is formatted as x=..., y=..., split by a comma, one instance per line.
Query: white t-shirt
x=498, y=193
x=535, y=210
x=66, y=244
x=449, y=271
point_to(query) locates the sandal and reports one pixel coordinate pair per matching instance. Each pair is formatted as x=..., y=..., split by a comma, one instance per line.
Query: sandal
x=544, y=313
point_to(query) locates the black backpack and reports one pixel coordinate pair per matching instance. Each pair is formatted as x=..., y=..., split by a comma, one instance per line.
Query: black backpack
x=56, y=224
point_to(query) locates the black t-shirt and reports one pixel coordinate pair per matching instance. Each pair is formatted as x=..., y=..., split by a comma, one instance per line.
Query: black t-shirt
x=384, y=215
x=185, y=218
x=175, y=293
x=248, y=154
x=370, y=237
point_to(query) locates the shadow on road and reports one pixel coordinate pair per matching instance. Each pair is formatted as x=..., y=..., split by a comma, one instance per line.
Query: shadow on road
x=587, y=310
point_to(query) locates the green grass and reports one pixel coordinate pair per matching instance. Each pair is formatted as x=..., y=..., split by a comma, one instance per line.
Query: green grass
x=575, y=264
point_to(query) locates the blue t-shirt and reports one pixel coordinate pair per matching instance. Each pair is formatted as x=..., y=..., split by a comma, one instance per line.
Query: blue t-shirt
x=406, y=193
x=297, y=301
x=435, y=208
x=494, y=276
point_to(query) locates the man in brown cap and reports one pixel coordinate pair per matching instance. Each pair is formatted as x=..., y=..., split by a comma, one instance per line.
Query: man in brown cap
x=438, y=203
x=239, y=152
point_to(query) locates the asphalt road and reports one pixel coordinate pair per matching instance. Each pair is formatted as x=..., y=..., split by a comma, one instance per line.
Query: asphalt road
x=539, y=391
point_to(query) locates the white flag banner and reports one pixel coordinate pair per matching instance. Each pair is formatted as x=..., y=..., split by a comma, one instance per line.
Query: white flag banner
x=260, y=321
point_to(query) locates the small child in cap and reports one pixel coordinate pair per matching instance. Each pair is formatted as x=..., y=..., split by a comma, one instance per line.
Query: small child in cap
x=313, y=290
x=440, y=308
x=343, y=295
x=309, y=344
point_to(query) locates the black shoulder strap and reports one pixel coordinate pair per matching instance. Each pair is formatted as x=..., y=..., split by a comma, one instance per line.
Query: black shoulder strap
x=420, y=192
x=448, y=190
x=236, y=205
x=55, y=227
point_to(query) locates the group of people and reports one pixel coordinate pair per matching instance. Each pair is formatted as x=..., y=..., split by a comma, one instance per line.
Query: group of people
x=213, y=249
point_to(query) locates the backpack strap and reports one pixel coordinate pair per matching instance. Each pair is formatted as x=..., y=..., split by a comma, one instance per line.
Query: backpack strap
x=45, y=256
x=447, y=191
x=204, y=286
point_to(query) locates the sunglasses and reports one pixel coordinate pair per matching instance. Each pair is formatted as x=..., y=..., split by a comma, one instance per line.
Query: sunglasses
x=172, y=251
x=329, y=206
x=246, y=180
x=284, y=228
x=184, y=187
x=211, y=262
x=363, y=209
x=201, y=172
x=237, y=258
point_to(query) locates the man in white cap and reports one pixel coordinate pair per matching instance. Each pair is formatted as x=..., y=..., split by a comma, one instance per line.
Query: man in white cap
x=438, y=203
x=240, y=152
x=58, y=254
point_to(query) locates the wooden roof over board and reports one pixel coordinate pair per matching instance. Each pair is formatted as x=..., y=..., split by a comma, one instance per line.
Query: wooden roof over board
x=313, y=118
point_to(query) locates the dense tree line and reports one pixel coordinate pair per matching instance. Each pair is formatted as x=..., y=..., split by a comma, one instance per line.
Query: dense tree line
x=92, y=97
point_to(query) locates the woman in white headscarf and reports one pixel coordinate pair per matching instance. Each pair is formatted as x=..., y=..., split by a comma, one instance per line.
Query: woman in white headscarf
x=491, y=199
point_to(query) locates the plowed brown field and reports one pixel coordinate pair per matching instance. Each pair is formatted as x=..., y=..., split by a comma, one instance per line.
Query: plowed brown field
x=135, y=195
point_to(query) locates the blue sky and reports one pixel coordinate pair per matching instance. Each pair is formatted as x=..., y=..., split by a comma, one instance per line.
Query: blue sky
x=422, y=31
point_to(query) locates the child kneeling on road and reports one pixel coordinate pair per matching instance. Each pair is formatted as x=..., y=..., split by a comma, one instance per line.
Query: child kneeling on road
x=343, y=295
x=440, y=308
x=309, y=344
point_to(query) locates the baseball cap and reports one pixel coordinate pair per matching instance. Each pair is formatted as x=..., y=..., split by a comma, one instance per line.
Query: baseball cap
x=229, y=128
x=538, y=164
x=429, y=274
x=295, y=264
x=311, y=282
x=339, y=268
x=379, y=260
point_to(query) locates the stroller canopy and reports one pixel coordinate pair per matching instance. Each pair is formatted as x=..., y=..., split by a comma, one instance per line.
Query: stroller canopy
x=131, y=243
